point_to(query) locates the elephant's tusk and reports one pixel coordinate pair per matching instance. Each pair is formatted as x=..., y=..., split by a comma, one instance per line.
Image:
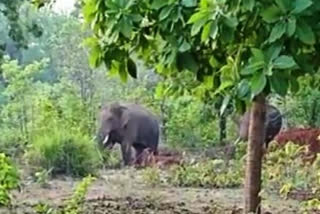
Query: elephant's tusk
x=105, y=139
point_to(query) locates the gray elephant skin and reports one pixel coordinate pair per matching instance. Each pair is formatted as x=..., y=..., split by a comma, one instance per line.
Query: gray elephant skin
x=273, y=124
x=130, y=125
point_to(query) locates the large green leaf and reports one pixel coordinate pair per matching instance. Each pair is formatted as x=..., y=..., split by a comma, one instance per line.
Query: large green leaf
x=273, y=51
x=279, y=84
x=206, y=31
x=214, y=29
x=271, y=14
x=165, y=12
x=284, y=62
x=291, y=26
x=125, y=27
x=156, y=4
x=258, y=54
x=252, y=68
x=196, y=27
x=301, y=5
x=305, y=33
x=277, y=31
x=243, y=89
x=258, y=83
x=284, y=5
x=198, y=16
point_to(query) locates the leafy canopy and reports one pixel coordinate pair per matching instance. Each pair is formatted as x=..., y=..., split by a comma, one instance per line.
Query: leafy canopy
x=242, y=47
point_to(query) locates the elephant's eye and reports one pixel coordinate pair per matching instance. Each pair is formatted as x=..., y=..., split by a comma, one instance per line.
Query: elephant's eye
x=110, y=119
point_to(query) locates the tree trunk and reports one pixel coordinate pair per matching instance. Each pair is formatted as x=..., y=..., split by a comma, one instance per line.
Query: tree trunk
x=222, y=128
x=254, y=155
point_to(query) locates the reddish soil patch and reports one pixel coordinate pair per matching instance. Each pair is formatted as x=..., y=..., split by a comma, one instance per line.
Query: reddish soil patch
x=162, y=159
x=302, y=136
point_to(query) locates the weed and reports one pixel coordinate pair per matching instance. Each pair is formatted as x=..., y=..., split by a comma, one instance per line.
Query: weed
x=9, y=179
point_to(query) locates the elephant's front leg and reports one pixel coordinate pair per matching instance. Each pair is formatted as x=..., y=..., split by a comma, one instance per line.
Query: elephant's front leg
x=126, y=152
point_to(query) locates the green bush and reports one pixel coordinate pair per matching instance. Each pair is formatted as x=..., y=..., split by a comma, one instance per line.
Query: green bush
x=189, y=124
x=9, y=179
x=65, y=151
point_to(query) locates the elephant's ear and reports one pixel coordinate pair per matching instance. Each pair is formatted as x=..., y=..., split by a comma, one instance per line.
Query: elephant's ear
x=118, y=109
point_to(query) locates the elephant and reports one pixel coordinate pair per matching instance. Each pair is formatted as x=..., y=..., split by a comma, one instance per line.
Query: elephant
x=130, y=125
x=273, y=124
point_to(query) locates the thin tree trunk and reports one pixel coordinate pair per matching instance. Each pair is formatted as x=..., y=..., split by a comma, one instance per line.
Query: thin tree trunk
x=254, y=155
x=222, y=128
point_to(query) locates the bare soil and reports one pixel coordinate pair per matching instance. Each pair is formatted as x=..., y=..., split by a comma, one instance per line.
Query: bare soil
x=124, y=191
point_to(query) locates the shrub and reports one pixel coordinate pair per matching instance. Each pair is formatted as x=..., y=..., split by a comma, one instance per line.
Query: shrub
x=212, y=173
x=9, y=179
x=64, y=151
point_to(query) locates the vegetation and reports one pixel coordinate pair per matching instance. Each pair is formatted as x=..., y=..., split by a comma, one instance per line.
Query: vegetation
x=9, y=179
x=193, y=63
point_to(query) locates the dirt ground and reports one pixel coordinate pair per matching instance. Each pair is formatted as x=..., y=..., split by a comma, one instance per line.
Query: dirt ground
x=124, y=191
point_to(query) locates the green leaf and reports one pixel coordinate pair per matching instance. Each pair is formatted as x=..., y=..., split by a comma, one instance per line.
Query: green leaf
x=258, y=54
x=198, y=16
x=196, y=27
x=125, y=27
x=231, y=22
x=284, y=62
x=271, y=14
x=185, y=46
x=301, y=5
x=225, y=103
x=159, y=92
x=214, y=30
x=305, y=33
x=226, y=73
x=279, y=84
x=284, y=5
x=165, y=12
x=252, y=68
x=243, y=89
x=189, y=3
x=208, y=81
x=258, y=83
x=156, y=4
x=291, y=26
x=213, y=62
x=224, y=85
x=248, y=4
x=206, y=32
x=277, y=31
x=132, y=68
x=273, y=51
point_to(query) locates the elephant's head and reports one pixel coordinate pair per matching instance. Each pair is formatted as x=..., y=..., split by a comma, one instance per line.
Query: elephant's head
x=112, y=121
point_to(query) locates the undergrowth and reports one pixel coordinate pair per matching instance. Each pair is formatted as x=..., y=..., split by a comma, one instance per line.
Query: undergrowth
x=64, y=151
